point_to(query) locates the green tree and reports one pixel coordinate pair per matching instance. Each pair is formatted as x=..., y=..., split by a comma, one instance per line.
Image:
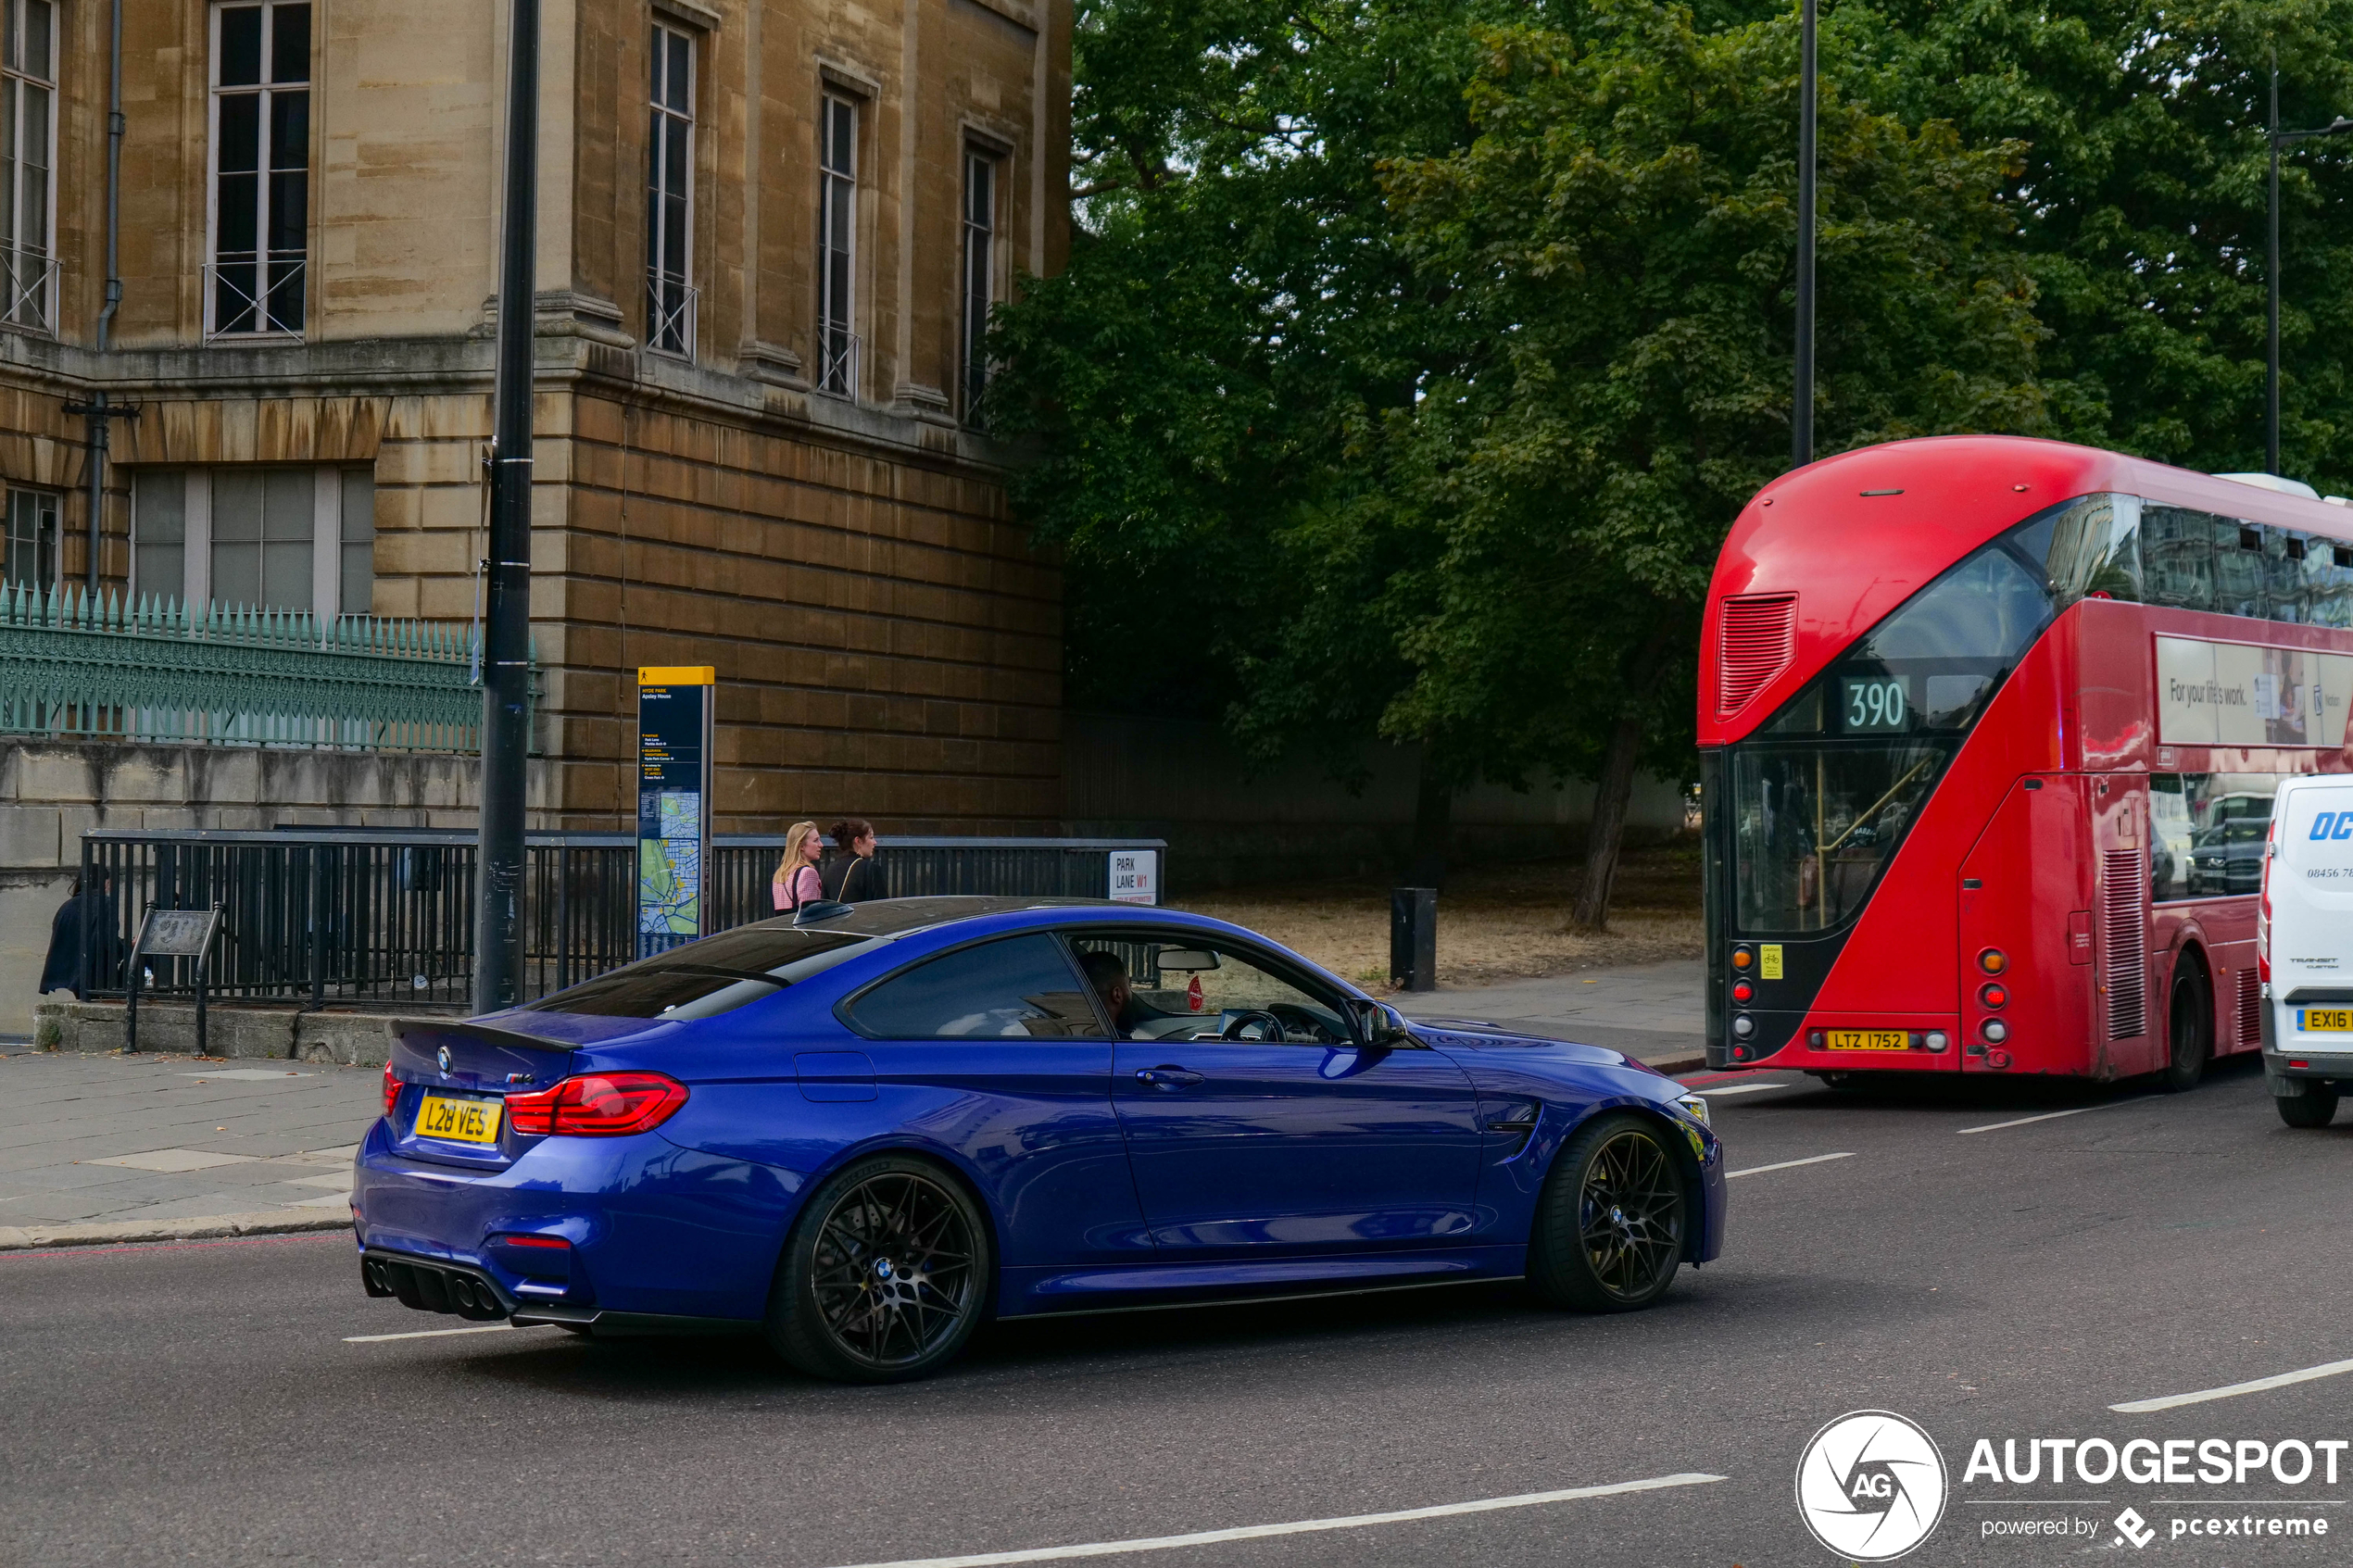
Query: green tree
x=1419, y=360
x=1612, y=376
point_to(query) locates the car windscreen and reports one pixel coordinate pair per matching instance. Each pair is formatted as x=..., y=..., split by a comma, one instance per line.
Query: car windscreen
x=714, y=976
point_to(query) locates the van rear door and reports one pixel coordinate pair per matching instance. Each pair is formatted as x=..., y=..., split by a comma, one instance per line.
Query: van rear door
x=2308, y=908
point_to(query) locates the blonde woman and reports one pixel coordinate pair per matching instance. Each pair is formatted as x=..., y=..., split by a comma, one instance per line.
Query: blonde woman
x=796, y=880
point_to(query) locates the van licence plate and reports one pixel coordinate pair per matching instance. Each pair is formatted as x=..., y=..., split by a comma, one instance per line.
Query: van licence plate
x=458, y=1121
x=1867, y=1040
x=2335, y=1021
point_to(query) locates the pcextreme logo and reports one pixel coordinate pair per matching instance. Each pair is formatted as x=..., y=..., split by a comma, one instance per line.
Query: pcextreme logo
x=1870, y=1486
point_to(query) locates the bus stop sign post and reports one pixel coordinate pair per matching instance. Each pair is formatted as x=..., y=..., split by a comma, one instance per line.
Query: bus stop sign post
x=171, y=933
x=674, y=804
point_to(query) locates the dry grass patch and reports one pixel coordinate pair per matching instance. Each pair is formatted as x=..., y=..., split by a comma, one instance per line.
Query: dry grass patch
x=1494, y=922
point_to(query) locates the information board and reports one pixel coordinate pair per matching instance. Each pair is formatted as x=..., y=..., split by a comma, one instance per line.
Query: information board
x=177, y=934
x=674, y=804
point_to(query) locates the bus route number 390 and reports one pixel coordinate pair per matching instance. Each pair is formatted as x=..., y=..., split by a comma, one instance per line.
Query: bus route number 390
x=1873, y=704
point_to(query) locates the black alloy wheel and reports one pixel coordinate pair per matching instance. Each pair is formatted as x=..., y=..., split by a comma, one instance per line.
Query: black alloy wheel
x=885, y=1276
x=2312, y=1104
x=2189, y=1031
x=1609, y=1229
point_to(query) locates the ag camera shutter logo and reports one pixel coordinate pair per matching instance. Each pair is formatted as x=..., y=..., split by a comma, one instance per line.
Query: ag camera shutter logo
x=1870, y=1486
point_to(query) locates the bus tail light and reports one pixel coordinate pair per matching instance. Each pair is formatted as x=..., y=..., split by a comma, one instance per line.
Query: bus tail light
x=1997, y=1060
x=1743, y=958
x=1994, y=994
x=1743, y=991
x=1995, y=1031
x=1993, y=961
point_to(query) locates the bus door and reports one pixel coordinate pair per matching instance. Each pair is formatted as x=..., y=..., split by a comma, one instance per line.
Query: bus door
x=2128, y=1036
x=2026, y=929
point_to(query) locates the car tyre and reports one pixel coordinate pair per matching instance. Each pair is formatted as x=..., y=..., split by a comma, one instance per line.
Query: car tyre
x=2312, y=1105
x=2189, y=1033
x=1610, y=1227
x=885, y=1276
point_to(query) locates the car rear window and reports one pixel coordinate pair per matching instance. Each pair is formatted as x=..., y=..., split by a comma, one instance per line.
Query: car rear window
x=714, y=976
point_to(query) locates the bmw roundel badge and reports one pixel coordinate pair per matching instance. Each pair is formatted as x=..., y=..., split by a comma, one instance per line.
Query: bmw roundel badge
x=443, y=1057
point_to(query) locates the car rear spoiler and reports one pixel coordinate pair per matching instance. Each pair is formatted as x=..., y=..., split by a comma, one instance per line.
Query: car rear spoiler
x=404, y=1027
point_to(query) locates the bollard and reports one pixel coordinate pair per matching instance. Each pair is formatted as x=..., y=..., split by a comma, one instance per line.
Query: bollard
x=1413, y=938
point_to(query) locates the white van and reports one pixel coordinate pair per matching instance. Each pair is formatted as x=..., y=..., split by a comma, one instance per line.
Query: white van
x=2304, y=942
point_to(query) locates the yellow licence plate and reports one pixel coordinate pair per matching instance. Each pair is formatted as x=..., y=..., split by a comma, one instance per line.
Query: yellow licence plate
x=2332, y=1019
x=458, y=1121
x=1869, y=1040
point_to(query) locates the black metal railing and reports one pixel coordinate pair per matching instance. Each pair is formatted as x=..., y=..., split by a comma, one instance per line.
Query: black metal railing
x=386, y=917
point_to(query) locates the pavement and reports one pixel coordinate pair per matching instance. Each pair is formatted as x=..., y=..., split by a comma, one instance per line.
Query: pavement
x=1654, y=1012
x=2000, y=1263
x=142, y=1146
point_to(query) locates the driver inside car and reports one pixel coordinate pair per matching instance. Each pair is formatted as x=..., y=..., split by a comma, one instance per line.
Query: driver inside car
x=1108, y=975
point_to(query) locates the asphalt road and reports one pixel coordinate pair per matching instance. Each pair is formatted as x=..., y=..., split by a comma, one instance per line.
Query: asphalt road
x=200, y=1403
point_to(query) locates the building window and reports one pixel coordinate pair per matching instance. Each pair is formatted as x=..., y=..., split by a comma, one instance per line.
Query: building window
x=838, y=247
x=256, y=538
x=980, y=273
x=28, y=137
x=669, y=194
x=33, y=538
x=260, y=169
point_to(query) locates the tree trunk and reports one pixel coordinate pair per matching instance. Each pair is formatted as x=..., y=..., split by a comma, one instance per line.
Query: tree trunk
x=1611, y=793
x=1433, y=818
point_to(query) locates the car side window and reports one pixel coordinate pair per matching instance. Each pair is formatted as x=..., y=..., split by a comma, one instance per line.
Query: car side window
x=1159, y=986
x=1018, y=987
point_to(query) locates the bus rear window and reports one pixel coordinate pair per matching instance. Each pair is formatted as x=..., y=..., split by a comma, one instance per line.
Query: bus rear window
x=1813, y=827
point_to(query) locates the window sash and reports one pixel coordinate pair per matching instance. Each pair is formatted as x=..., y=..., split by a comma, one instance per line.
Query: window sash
x=980, y=274
x=837, y=244
x=260, y=169
x=33, y=538
x=670, y=190
x=28, y=143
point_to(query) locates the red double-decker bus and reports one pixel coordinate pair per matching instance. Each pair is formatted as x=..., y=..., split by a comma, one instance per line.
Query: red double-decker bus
x=1990, y=729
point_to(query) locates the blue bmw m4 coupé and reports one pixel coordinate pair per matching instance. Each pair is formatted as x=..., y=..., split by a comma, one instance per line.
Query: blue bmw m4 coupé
x=863, y=1133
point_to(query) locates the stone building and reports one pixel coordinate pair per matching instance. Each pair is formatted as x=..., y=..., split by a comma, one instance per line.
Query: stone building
x=768, y=233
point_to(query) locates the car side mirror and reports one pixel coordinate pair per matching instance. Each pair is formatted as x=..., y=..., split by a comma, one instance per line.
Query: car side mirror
x=1379, y=1024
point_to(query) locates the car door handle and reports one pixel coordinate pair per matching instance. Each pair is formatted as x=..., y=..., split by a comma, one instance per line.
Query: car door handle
x=1167, y=1077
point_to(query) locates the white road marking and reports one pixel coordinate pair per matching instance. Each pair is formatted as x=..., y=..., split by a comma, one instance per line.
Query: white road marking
x=175, y=1161
x=1786, y=1165
x=2045, y=1116
x=1299, y=1527
x=426, y=1334
x=2277, y=1380
x=249, y=1074
x=1744, y=1090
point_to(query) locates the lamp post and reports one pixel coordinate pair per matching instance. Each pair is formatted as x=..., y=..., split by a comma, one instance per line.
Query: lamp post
x=506, y=652
x=2280, y=138
x=1800, y=413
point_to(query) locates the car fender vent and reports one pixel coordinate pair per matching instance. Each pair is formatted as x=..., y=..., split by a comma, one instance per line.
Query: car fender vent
x=2124, y=935
x=1755, y=639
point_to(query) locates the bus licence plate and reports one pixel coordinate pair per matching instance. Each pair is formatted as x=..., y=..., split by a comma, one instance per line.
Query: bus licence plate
x=2336, y=1021
x=458, y=1121
x=1869, y=1040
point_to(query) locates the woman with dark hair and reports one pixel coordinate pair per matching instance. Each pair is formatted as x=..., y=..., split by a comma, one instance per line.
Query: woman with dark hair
x=851, y=875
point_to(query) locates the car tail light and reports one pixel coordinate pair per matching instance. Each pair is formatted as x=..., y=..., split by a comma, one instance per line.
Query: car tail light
x=1993, y=961
x=1993, y=994
x=597, y=1105
x=392, y=1091
x=547, y=1241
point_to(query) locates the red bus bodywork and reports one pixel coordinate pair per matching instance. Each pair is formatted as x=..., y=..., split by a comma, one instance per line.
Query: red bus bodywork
x=2025, y=843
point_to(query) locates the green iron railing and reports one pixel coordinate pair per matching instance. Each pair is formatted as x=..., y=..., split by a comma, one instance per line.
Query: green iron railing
x=75, y=664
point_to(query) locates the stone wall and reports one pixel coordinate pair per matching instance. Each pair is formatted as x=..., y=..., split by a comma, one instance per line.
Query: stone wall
x=52, y=791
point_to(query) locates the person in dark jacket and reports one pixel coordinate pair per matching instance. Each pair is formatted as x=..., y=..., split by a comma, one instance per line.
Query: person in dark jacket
x=62, y=971
x=851, y=875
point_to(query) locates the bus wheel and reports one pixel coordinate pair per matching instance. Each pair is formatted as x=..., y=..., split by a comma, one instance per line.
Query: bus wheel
x=1846, y=1083
x=2313, y=1105
x=2190, y=1026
